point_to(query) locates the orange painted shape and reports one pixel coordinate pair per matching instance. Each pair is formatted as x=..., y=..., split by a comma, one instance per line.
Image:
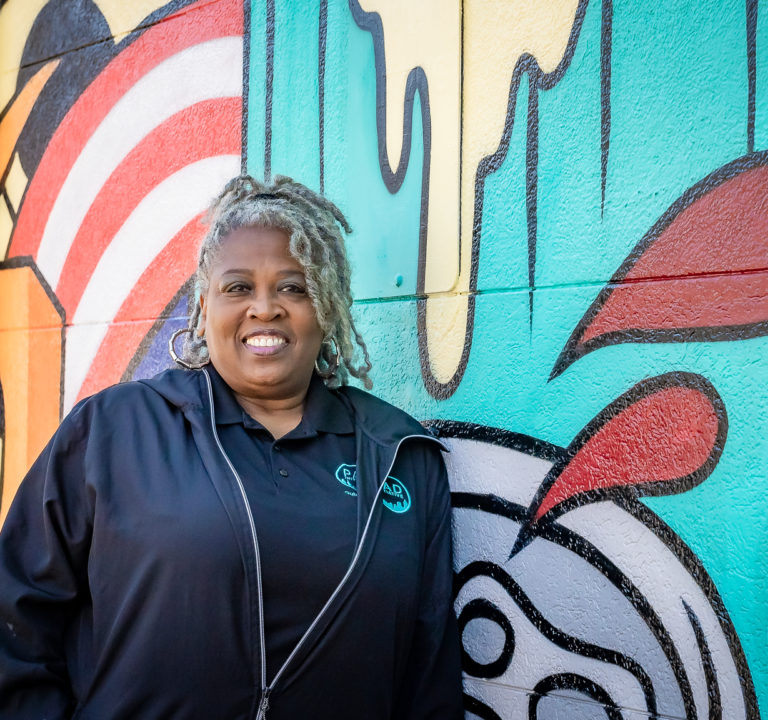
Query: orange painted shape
x=30, y=373
x=18, y=112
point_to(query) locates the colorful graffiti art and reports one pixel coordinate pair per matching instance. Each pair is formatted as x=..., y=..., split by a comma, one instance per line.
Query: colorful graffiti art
x=108, y=219
x=560, y=212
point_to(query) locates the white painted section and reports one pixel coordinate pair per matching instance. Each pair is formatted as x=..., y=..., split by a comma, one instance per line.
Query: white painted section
x=660, y=576
x=153, y=223
x=212, y=69
x=634, y=548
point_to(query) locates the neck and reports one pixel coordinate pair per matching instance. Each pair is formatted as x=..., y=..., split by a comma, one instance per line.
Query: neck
x=278, y=416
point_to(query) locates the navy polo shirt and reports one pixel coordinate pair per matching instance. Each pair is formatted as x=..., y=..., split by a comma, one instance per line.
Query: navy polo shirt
x=301, y=491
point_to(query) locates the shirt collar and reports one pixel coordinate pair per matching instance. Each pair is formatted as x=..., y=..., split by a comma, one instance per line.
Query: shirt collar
x=324, y=411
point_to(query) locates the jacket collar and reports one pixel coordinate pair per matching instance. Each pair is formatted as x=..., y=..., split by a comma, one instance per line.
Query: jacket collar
x=381, y=422
x=324, y=411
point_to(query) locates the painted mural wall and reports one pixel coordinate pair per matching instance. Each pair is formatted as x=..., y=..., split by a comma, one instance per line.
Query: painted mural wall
x=561, y=253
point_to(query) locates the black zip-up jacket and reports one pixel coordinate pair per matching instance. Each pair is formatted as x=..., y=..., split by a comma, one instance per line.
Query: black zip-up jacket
x=129, y=579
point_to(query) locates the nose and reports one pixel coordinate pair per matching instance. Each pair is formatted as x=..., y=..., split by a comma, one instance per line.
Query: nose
x=265, y=305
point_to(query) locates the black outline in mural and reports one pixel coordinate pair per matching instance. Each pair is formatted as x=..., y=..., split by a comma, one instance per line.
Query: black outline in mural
x=480, y=608
x=698, y=572
x=188, y=290
x=575, y=349
x=559, y=534
x=569, y=643
x=579, y=683
x=643, y=389
x=497, y=436
x=710, y=673
x=246, y=86
x=268, y=86
x=322, y=42
x=479, y=708
x=538, y=81
x=531, y=188
x=28, y=261
x=751, y=71
x=606, y=51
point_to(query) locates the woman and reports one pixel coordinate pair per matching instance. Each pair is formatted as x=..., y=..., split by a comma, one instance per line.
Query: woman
x=247, y=537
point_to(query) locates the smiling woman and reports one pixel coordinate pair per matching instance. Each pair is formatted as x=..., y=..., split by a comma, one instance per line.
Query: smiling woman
x=215, y=541
x=260, y=326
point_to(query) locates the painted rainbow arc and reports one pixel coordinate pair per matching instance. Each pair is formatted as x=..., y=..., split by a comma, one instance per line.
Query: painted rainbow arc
x=153, y=138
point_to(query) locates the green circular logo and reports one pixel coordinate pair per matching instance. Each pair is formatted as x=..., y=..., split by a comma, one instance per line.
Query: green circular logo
x=395, y=495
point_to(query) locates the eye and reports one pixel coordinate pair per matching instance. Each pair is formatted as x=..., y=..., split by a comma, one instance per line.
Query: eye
x=237, y=286
x=293, y=288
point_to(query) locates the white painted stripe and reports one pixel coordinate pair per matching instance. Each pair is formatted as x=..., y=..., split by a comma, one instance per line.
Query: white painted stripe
x=150, y=227
x=205, y=71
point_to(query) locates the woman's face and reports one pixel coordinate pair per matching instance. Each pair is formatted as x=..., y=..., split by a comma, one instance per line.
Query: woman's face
x=257, y=318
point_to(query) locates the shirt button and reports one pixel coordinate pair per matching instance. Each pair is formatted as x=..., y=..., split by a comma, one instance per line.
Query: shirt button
x=283, y=472
x=277, y=448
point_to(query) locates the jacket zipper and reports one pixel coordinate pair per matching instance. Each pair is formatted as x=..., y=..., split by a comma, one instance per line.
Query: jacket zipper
x=266, y=690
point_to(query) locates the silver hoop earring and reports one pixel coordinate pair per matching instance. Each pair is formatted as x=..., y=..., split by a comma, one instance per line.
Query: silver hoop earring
x=178, y=360
x=333, y=365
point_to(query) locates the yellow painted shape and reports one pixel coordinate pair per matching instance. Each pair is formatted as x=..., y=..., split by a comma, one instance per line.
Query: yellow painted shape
x=467, y=121
x=496, y=34
x=122, y=16
x=427, y=34
x=30, y=373
x=16, y=182
x=16, y=20
x=6, y=228
x=18, y=113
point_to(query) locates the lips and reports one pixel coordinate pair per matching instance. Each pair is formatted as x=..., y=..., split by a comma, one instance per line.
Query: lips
x=266, y=342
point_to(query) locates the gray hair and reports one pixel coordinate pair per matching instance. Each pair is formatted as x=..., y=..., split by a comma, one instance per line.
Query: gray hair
x=315, y=240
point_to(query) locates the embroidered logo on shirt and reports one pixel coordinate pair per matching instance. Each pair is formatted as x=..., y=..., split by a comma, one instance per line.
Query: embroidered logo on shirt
x=396, y=497
x=347, y=475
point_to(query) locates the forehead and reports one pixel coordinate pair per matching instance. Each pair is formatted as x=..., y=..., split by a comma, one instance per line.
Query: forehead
x=255, y=247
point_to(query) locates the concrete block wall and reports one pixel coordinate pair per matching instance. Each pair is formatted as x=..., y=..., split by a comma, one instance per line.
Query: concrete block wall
x=561, y=254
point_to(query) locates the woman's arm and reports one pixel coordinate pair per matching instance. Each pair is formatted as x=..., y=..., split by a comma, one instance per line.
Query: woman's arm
x=43, y=555
x=432, y=683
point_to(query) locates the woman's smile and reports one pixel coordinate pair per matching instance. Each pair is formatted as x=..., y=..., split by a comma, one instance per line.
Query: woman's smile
x=266, y=342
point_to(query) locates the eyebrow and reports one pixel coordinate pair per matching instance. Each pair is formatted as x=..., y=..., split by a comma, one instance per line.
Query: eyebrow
x=247, y=271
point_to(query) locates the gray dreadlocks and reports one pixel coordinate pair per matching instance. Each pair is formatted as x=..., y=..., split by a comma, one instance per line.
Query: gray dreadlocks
x=315, y=240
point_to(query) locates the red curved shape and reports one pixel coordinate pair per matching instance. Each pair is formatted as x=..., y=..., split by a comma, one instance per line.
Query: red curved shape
x=660, y=438
x=720, y=242
x=199, y=23
x=207, y=129
x=154, y=290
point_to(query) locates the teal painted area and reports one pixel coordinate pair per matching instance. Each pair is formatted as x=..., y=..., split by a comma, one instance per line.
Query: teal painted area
x=503, y=257
x=295, y=104
x=678, y=107
x=761, y=86
x=571, y=239
x=257, y=70
x=679, y=111
x=385, y=242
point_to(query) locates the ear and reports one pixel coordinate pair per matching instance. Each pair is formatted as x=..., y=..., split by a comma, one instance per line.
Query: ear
x=201, y=321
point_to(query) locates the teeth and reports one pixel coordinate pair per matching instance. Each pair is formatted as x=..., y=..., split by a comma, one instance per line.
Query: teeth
x=264, y=341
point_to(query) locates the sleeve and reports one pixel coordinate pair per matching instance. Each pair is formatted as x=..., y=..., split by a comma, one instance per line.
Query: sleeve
x=432, y=687
x=44, y=546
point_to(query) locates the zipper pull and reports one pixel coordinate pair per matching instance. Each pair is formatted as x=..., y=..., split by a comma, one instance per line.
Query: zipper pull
x=263, y=705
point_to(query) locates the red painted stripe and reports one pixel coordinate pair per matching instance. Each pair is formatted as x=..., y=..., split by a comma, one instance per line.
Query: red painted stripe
x=723, y=231
x=207, y=129
x=199, y=23
x=684, y=303
x=710, y=262
x=663, y=437
x=150, y=296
